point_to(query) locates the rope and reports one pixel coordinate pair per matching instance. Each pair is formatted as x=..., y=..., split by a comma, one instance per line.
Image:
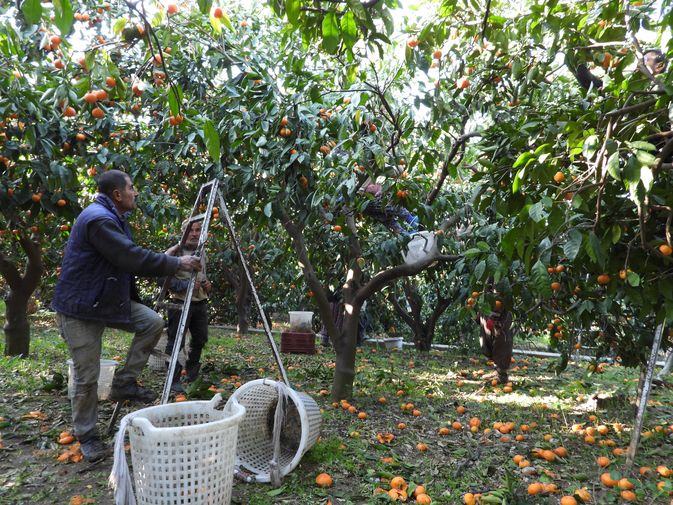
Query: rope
x=274, y=465
x=120, y=478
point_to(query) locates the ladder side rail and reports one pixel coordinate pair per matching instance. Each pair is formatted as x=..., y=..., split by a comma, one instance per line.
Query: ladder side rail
x=246, y=269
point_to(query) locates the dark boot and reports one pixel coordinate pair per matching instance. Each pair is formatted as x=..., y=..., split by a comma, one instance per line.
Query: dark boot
x=131, y=390
x=502, y=376
x=193, y=372
x=93, y=449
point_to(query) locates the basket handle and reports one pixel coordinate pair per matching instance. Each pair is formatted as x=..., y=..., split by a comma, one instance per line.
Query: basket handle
x=142, y=423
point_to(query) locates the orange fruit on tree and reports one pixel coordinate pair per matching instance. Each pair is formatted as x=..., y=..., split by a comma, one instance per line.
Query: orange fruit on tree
x=324, y=480
x=98, y=113
x=603, y=279
x=462, y=83
x=559, y=177
x=559, y=269
x=59, y=64
x=555, y=286
x=36, y=197
x=61, y=202
x=172, y=9
x=217, y=12
x=498, y=305
x=69, y=112
x=412, y=43
x=110, y=81
x=665, y=249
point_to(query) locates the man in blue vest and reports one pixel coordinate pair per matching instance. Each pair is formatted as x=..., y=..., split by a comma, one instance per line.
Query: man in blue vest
x=96, y=289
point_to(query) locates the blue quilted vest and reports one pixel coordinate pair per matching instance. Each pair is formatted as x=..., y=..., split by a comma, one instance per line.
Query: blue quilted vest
x=89, y=287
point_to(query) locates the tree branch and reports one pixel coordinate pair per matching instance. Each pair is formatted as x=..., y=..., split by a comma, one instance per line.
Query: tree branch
x=458, y=144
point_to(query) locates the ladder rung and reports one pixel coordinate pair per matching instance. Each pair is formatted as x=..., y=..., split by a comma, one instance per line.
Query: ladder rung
x=198, y=217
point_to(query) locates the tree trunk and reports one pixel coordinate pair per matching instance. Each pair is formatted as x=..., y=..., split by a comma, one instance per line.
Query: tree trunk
x=243, y=307
x=17, y=328
x=344, y=372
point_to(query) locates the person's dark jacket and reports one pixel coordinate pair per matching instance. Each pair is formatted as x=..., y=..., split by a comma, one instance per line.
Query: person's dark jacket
x=97, y=275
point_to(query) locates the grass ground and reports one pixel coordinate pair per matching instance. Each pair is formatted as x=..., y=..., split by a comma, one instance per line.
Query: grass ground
x=544, y=411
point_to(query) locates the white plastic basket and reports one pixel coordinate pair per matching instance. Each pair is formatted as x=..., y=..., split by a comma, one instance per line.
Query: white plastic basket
x=105, y=376
x=299, y=431
x=158, y=357
x=421, y=245
x=184, y=452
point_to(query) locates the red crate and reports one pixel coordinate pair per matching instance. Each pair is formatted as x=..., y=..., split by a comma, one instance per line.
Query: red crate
x=297, y=343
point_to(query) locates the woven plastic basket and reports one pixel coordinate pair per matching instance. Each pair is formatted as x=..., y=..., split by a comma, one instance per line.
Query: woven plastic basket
x=299, y=430
x=158, y=357
x=185, y=452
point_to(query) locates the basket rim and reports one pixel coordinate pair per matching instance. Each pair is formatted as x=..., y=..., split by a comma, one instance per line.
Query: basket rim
x=138, y=421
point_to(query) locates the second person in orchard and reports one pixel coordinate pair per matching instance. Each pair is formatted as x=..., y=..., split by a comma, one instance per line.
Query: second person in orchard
x=197, y=318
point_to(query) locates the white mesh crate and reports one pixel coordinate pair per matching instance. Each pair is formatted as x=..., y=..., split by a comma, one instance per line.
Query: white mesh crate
x=158, y=357
x=299, y=431
x=184, y=453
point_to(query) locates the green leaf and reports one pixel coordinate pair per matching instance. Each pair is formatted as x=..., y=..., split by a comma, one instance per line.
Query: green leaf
x=267, y=210
x=204, y=6
x=516, y=183
x=537, y=212
x=358, y=9
x=616, y=232
x=119, y=25
x=572, y=246
x=479, y=270
x=631, y=173
x=523, y=158
x=212, y=140
x=613, y=166
x=645, y=158
x=349, y=30
x=595, y=250
x=642, y=146
x=590, y=146
x=63, y=16
x=293, y=10
x=330, y=32
x=633, y=278
x=32, y=11
x=541, y=278
x=174, y=99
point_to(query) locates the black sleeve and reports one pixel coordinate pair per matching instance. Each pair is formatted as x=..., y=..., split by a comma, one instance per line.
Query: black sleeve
x=113, y=244
x=586, y=78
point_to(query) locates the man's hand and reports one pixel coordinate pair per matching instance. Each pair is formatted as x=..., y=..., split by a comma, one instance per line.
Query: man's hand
x=206, y=286
x=190, y=263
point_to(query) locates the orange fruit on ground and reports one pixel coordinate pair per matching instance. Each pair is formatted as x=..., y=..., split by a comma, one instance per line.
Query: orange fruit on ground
x=422, y=447
x=548, y=455
x=645, y=470
x=625, y=483
x=561, y=452
x=362, y=415
x=416, y=413
x=402, y=426
x=602, y=461
x=583, y=494
x=420, y=489
x=423, y=499
x=469, y=499
x=475, y=421
x=398, y=483
x=664, y=471
x=665, y=249
x=518, y=458
x=324, y=480
x=568, y=500
x=460, y=409
x=443, y=431
x=628, y=495
x=607, y=480
x=550, y=488
x=535, y=488
x=457, y=425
